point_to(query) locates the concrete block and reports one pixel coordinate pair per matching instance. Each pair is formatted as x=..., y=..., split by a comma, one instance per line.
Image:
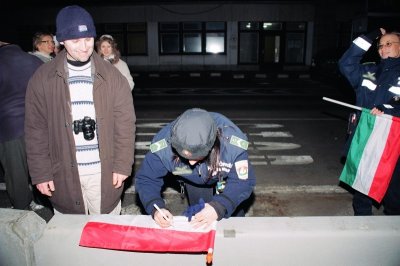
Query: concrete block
x=327, y=241
x=19, y=232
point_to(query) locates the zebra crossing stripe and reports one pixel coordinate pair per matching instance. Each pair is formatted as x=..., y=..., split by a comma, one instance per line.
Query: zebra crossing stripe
x=275, y=146
x=273, y=134
x=290, y=160
x=260, y=125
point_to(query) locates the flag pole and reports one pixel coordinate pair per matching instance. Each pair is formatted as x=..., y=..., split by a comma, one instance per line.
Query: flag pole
x=342, y=103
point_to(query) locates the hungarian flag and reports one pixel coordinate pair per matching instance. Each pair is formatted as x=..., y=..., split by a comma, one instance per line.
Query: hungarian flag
x=141, y=233
x=373, y=154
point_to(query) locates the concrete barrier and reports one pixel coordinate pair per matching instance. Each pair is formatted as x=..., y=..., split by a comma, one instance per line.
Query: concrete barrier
x=19, y=232
x=239, y=241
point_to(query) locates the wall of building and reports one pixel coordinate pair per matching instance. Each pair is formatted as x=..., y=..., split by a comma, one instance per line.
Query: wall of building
x=328, y=26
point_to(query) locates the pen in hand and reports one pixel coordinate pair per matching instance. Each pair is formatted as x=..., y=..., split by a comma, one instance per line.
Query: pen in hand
x=162, y=213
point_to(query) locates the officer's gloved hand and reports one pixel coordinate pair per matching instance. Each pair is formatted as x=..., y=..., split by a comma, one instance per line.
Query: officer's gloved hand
x=380, y=107
x=375, y=34
x=192, y=210
x=395, y=101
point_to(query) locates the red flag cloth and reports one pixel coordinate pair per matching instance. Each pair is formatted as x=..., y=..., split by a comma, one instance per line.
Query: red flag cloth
x=141, y=233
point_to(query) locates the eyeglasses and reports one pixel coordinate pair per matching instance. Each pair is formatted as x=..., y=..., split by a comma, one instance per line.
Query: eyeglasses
x=388, y=45
x=52, y=42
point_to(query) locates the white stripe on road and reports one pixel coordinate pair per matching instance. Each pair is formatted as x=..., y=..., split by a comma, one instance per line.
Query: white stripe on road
x=273, y=134
x=256, y=156
x=261, y=125
x=142, y=145
x=259, y=162
x=151, y=125
x=145, y=134
x=274, y=146
x=290, y=160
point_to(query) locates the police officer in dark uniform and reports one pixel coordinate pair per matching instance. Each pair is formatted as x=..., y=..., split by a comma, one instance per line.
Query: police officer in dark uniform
x=377, y=87
x=209, y=153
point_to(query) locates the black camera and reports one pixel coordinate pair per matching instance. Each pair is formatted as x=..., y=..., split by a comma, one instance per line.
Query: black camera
x=85, y=125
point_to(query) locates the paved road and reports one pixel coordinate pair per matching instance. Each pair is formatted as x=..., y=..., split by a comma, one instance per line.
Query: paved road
x=296, y=138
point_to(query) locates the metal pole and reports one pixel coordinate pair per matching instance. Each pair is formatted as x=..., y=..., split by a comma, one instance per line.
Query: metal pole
x=342, y=103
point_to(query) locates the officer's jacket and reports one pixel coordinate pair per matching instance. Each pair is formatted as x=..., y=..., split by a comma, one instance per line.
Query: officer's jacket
x=376, y=85
x=234, y=168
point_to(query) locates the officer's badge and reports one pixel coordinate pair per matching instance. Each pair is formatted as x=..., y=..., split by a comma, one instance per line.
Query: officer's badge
x=241, y=143
x=242, y=169
x=159, y=145
x=370, y=76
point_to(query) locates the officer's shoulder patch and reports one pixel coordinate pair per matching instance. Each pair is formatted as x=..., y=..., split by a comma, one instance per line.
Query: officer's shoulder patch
x=159, y=145
x=241, y=143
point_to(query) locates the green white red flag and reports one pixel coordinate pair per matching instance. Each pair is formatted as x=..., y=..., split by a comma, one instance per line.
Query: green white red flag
x=373, y=154
x=141, y=233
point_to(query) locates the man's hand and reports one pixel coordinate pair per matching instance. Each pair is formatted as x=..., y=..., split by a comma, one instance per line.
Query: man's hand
x=376, y=111
x=161, y=221
x=118, y=179
x=46, y=188
x=205, y=217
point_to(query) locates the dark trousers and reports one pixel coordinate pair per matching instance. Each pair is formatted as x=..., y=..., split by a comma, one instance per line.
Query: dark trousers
x=362, y=204
x=13, y=161
x=195, y=192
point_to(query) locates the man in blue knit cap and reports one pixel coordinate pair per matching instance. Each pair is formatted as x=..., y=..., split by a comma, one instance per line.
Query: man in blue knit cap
x=80, y=123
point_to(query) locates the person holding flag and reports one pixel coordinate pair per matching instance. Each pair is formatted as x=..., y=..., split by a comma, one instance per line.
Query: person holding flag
x=208, y=152
x=377, y=88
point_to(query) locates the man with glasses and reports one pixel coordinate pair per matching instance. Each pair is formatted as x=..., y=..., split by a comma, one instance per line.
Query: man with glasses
x=377, y=87
x=43, y=46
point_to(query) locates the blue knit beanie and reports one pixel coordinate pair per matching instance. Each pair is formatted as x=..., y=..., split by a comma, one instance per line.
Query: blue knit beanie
x=74, y=22
x=193, y=134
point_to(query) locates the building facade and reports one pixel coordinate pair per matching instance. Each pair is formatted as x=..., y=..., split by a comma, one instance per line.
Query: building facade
x=214, y=35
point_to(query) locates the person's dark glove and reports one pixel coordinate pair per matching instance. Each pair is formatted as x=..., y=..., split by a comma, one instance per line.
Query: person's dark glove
x=395, y=102
x=373, y=35
x=380, y=107
x=192, y=210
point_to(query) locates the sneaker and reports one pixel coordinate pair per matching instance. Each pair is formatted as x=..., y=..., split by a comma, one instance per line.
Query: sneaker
x=35, y=207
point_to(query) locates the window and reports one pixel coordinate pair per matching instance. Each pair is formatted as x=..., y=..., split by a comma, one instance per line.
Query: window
x=131, y=38
x=272, y=26
x=169, y=43
x=248, y=42
x=295, y=26
x=192, y=37
x=248, y=53
x=215, y=37
x=192, y=42
x=136, y=39
x=295, y=42
x=248, y=25
x=215, y=43
x=294, y=48
x=271, y=43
